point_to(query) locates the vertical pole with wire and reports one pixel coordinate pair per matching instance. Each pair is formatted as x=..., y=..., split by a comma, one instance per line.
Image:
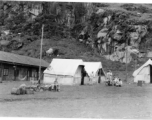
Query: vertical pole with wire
x=40, y=55
x=126, y=60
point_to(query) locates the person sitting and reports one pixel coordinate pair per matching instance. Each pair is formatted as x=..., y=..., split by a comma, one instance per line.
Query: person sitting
x=109, y=78
x=119, y=83
x=115, y=81
x=108, y=82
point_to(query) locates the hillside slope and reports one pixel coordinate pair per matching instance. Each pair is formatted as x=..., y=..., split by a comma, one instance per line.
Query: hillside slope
x=69, y=49
x=88, y=31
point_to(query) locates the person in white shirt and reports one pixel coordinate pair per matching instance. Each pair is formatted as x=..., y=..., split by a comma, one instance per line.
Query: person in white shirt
x=109, y=77
x=116, y=80
x=91, y=77
x=119, y=83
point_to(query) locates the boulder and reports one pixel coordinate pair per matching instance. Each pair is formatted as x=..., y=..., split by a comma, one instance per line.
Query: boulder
x=134, y=35
x=100, y=11
x=117, y=36
x=49, y=51
x=101, y=34
x=105, y=20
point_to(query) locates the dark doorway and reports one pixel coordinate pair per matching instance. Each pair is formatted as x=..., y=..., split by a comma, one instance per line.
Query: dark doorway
x=150, y=73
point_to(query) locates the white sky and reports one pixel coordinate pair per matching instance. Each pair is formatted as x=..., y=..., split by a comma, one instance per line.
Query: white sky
x=107, y=1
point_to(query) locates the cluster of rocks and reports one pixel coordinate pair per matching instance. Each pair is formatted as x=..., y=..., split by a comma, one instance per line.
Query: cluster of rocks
x=113, y=35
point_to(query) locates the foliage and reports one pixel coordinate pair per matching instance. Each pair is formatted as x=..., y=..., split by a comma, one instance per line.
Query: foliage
x=67, y=20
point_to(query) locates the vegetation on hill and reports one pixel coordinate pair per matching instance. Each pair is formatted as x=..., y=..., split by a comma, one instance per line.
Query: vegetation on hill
x=90, y=31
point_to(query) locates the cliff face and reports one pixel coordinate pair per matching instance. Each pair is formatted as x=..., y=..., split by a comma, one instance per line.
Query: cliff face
x=117, y=32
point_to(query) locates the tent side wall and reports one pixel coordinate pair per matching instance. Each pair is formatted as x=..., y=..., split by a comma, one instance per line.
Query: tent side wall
x=96, y=79
x=78, y=72
x=100, y=73
x=143, y=75
x=62, y=80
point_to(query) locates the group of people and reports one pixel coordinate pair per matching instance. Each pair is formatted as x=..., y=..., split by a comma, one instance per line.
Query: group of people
x=113, y=80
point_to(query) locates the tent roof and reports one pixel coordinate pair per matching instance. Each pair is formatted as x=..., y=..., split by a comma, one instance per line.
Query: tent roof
x=92, y=67
x=20, y=59
x=149, y=62
x=63, y=67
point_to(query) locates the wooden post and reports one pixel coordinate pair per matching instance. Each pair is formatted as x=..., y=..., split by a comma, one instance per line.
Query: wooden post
x=126, y=60
x=40, y=55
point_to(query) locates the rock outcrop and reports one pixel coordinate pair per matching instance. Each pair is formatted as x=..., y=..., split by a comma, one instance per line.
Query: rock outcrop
x=113, y=31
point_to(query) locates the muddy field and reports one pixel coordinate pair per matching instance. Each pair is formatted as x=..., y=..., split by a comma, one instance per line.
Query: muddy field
x=88, y=101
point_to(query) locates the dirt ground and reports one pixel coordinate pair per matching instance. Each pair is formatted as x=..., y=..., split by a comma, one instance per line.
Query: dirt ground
x=88, y=101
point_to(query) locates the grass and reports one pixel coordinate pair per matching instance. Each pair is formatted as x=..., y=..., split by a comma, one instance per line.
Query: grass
x=95, y=101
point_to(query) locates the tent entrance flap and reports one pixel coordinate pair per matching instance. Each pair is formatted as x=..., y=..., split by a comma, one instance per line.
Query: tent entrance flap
x=150, y=73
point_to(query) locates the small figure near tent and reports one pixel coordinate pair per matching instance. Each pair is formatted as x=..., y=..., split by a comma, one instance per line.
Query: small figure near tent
x=109, y=75
x=109, y=78
x=83, y=74
x=118, y=83
x=99, y=74
x=115, y=81
x=56, y=85
x=91, y=78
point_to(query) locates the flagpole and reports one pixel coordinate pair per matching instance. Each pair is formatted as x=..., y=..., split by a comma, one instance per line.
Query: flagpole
x=41, y=55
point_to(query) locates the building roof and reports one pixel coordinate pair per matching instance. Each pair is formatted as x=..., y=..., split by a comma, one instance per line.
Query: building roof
x=63, y=67
x=20, y=59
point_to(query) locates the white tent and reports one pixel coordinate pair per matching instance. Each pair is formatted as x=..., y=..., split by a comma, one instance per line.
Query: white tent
x=67, y=71
x=144, y=73
x=94, y=67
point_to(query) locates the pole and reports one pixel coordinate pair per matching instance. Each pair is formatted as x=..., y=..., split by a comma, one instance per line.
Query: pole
x=126, y=59
x=40, y=55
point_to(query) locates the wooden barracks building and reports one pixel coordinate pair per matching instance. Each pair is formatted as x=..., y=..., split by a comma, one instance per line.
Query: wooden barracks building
x=18, y=67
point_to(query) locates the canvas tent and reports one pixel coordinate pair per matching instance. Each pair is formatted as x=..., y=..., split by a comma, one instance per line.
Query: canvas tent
x=97, y=69
x=144, y=73
x=66, y=71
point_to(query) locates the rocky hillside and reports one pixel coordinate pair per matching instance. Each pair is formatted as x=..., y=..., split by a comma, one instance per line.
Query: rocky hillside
x=120, y=32
x=90, y=31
